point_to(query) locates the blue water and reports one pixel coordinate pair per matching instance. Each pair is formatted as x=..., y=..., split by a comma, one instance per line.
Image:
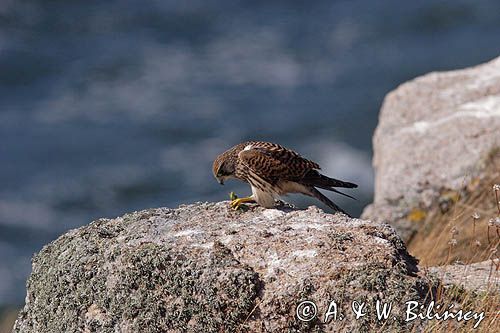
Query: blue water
x=109, y=107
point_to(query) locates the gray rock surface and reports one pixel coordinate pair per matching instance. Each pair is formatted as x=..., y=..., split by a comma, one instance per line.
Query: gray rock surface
x=207, y=268
x=432, y=133
x=480, y=276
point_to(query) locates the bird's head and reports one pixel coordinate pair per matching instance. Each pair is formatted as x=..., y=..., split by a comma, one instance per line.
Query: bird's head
x=223, y=167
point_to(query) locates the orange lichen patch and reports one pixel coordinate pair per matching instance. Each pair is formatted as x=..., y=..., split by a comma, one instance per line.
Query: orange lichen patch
x=417, y=215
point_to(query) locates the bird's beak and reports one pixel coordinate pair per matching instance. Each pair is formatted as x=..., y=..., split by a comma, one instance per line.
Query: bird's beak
x=221, y=181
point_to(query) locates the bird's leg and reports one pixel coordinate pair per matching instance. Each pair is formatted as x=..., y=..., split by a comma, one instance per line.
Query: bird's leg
x=236, y=203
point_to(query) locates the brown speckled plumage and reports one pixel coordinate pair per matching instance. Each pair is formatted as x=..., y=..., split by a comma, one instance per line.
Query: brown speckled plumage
x=273, y=170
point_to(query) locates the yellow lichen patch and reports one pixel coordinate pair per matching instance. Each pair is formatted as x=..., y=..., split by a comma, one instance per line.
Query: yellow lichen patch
x=416, y=215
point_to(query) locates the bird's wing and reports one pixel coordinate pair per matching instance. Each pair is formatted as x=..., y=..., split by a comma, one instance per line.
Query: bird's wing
x=273, y=162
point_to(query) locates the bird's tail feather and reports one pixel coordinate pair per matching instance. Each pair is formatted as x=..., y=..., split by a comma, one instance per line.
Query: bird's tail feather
x=337, y=191
x=314, y=178
x=318, y=195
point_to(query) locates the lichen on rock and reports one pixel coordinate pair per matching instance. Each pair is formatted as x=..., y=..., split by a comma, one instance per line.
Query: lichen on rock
x=207, y=268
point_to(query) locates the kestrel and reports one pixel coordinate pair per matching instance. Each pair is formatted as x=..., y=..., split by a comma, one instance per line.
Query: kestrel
x=272, y=171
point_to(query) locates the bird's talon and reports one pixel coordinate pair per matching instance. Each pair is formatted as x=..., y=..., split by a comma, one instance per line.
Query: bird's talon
x=235, y=203
x=239, y=203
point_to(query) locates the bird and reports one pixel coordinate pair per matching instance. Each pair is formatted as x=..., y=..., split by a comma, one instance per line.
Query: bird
x=273, y=171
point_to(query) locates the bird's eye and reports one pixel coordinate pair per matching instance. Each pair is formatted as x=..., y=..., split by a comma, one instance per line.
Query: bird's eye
x=220, y=173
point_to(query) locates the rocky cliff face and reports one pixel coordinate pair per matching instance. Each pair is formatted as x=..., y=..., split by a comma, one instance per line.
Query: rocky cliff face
x=434, y=134
x=207, y=268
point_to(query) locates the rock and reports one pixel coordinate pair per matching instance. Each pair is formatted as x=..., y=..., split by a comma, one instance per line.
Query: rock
x=479, y=277
x=433, y=132
x=207, y=268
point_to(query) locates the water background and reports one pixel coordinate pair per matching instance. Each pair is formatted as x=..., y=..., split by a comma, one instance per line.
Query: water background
x=112, y=106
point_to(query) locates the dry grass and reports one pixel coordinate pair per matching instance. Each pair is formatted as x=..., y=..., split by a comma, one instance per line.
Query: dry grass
x=449, y=233
x=458, y=229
